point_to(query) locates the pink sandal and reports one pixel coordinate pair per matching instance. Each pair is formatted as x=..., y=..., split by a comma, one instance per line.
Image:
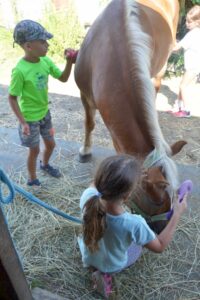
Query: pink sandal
x=103, y=283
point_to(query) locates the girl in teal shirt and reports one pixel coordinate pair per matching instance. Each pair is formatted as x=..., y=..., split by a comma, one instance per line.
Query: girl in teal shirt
x=112, y=238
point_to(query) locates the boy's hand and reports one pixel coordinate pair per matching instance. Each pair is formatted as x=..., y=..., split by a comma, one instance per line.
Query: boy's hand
x=71, y=54
x=25, y=129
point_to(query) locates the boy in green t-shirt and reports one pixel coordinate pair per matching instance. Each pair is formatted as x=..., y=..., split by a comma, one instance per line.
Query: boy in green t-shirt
x=29, y=82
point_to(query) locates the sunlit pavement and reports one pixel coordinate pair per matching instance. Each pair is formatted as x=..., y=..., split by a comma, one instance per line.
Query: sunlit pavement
x=168, y=94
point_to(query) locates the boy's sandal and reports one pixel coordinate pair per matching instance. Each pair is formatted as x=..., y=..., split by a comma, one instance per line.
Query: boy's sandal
x=34, y=183
x=50, y=170
x=105, y=285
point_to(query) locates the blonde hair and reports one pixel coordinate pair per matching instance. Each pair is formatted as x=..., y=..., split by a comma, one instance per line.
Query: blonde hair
x=193, y=15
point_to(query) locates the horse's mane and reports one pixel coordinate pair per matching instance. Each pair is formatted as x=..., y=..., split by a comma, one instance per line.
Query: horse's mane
x=140, y=47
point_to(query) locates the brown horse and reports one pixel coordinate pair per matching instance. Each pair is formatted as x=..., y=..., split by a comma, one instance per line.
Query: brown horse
x=125, y=48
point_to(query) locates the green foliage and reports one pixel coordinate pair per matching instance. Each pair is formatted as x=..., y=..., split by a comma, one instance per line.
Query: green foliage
x=8, y=53
x=64, y=25
x=6, y=37
x=175, y=66
x=195, y=1
x=67, y=31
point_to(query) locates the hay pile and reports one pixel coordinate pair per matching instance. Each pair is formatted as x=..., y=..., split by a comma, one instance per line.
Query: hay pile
x=47, y=246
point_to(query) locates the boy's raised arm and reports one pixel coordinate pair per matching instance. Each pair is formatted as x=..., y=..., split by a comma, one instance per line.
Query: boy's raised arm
x=70, y=56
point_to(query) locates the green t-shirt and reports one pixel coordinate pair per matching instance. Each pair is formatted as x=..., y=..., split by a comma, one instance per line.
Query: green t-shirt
x=29, y=82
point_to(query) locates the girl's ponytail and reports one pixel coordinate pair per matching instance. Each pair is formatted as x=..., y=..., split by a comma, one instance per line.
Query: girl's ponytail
x=94, y=222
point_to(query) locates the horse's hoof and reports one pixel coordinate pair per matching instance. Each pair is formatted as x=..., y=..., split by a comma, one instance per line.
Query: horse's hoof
x=85, y=158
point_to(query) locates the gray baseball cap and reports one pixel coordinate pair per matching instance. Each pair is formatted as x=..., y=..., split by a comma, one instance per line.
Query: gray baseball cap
x=28, y=30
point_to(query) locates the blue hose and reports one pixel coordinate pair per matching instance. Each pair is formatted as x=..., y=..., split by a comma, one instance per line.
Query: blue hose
x=6, y=180
x=30, y=197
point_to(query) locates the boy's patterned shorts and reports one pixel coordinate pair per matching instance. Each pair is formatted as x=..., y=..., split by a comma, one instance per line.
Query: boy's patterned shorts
x=42, y=127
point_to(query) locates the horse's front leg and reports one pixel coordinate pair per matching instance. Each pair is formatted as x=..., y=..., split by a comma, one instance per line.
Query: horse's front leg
x=85, y=152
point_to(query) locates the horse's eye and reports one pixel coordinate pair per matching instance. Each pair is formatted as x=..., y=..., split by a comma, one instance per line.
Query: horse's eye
x=161, y=185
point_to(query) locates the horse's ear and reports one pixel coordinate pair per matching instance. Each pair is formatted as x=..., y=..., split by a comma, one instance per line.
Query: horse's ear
x=176, y=147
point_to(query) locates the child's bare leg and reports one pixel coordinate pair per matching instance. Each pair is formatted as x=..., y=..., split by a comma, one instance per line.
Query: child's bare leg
x=44, y=165
x=31, y=162
x=180, y=100
x=48, y=150
x=187, y=80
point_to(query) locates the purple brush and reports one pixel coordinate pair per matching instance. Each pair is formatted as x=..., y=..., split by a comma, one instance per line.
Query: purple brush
x=184, y=188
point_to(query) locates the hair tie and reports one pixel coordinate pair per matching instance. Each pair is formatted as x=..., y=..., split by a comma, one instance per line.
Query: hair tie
x=98, y=194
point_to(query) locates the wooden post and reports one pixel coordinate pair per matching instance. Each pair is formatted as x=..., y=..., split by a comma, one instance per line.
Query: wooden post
x=13, y=284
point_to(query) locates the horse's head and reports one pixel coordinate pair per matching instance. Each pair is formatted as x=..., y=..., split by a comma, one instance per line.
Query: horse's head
x=157, y=190
x=153, y=197
x=155, y=184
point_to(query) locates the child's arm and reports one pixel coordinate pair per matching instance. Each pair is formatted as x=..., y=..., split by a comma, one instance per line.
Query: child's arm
x=163, y=239
x=177, y=46
x=15, y=107
x=66, y=72
x=70, y=55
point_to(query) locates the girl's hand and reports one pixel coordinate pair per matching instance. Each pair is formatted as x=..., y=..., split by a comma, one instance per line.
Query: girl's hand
x=180, y=207
x=183, y=190
x=71, y=54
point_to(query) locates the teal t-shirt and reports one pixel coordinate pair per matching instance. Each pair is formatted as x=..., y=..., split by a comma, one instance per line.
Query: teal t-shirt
x=29, y=82
x=120, y=232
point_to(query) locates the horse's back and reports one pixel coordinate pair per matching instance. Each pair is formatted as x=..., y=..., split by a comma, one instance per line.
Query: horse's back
x=105, y=54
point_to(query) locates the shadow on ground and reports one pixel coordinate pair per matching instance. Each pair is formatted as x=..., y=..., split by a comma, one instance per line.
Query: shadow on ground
x=170, y=94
